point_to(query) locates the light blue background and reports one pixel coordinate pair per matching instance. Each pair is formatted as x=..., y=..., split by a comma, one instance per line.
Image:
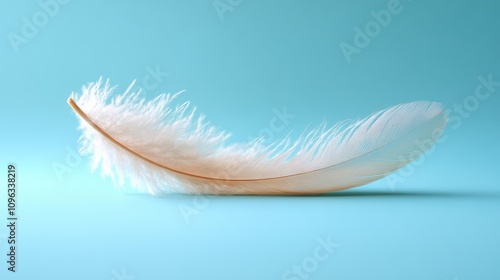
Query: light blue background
x=441, y=222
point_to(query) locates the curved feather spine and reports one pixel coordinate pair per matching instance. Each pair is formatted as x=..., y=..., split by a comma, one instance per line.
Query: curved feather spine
x=166, y=149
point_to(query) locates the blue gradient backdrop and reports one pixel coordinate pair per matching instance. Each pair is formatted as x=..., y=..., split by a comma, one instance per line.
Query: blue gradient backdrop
x=240, y=62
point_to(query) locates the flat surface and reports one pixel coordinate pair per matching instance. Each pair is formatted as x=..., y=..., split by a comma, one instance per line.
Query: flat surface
x=406, y=234
x=254, y=68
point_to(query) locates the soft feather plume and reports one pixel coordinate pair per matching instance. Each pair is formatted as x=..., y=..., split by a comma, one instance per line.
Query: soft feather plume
x=163, y=148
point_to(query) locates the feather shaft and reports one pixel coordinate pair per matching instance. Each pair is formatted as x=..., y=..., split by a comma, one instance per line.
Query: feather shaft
x=163, y=149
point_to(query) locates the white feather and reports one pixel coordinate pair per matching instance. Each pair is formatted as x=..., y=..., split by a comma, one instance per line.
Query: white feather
x=163, y=148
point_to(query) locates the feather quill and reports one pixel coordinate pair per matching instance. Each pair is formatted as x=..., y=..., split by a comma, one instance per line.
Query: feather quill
x=162, y=148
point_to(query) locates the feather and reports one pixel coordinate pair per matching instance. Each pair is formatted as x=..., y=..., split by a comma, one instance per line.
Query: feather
x=161, y=148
